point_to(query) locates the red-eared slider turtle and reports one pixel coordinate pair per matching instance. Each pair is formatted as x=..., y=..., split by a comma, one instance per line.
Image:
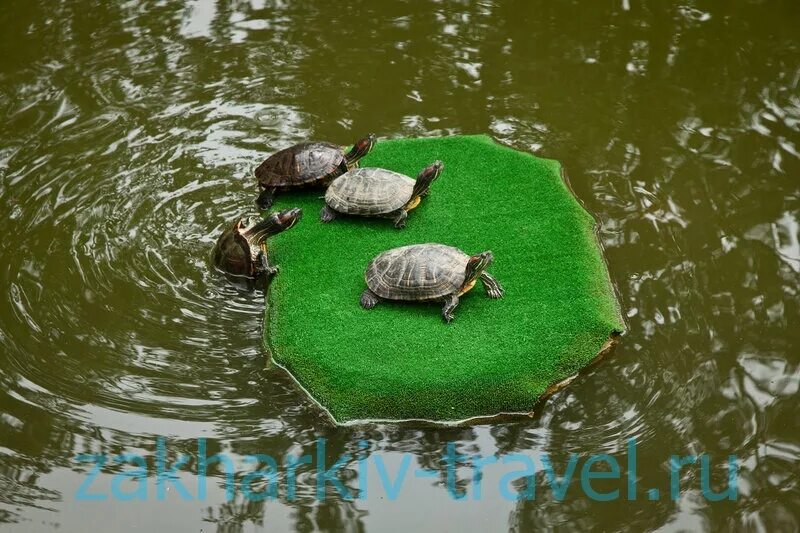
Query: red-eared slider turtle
x=306, y=165
x=427, y=273
x=241, y=250
x=377, y=192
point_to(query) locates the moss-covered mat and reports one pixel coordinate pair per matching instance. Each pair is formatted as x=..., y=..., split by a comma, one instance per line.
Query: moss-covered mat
x=401, y=361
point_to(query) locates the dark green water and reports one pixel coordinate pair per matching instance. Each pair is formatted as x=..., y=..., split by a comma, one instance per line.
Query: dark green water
x=129, y=130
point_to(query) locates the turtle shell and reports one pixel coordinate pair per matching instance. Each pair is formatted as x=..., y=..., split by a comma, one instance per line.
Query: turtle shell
x=369, y=191
x=232, y=252
x=417, y=272
x=300, y=165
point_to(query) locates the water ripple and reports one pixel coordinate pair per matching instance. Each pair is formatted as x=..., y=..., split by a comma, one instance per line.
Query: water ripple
x=129, y=135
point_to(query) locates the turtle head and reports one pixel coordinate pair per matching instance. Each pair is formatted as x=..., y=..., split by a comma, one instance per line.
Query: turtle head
x=360, y=149
x=273, y=224
x=477, y=264
x=431, y=172
x=423, y=183
x=287, y=218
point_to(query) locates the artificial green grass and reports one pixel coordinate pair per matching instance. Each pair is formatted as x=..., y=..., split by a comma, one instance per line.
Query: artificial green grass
x=400, y=360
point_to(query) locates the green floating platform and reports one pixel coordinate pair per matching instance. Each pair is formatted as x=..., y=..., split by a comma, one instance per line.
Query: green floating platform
x=401, y=361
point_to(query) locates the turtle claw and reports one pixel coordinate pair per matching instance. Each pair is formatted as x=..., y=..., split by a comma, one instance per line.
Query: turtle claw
x=450, y=304
x=263, y=278
x=369, y=299
x=400, y=221
x=263, y=268
x=266, y=199
x=494, y=293
x=327, y=214
x=493, y=288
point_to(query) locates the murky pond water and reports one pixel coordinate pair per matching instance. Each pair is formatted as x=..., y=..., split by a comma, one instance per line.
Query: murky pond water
x=128, y=135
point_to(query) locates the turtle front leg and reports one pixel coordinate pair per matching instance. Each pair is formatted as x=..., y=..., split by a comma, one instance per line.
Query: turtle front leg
x=450, y=304
x=327, y=214
x=369, y=299
x=492, y=286
x=266, y=198
x=400, y=219
x=263, y=268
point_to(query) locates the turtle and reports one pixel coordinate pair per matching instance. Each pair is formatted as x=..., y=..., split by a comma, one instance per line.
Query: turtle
x=241, y=250
x=378, y=192
x=306, y=165
x=427, y=273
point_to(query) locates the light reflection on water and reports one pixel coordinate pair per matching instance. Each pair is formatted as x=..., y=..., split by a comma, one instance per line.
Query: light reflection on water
x=129, y=136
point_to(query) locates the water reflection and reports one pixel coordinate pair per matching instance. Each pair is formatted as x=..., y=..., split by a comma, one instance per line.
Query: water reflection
x=130, y=133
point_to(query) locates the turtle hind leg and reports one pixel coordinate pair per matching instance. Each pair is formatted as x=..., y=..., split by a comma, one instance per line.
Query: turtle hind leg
x=493, y=288
x=327, y=214
x=450, y=303
x=266, y=198
x=400, y=219
x=369, y=299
